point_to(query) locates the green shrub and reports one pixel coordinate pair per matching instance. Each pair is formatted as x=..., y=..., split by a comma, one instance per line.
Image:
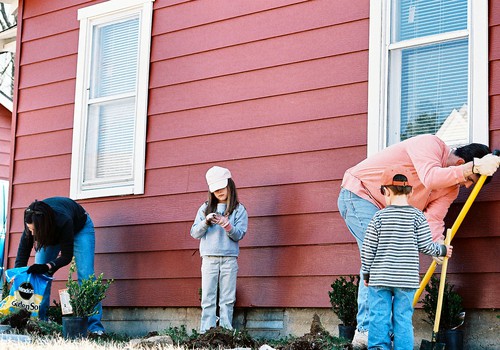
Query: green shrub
x=84, y=297
x=344, y=299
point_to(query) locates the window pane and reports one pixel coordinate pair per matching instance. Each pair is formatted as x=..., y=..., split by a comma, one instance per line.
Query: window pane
x=7, y=74
x=114, y=67
x=110, y=141
x=418, y=18
x=434, y=87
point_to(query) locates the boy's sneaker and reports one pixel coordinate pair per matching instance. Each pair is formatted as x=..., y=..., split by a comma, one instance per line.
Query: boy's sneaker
x=360, y=340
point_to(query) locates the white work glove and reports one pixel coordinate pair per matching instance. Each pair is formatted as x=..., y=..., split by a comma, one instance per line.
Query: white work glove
x=487, y=165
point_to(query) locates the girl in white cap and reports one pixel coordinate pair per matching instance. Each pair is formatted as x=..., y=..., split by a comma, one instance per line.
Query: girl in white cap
x=221, y=222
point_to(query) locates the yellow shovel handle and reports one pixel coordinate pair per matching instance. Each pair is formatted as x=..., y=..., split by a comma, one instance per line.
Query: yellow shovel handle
x=424, y=282
x=454, y=229
x=442, y=283
x=467, y=205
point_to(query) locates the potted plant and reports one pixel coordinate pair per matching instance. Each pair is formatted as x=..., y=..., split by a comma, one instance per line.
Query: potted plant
x=344, y=301
x=83, y=299
x=452, y=314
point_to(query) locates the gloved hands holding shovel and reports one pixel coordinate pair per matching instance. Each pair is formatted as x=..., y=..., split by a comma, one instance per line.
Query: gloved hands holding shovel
x=487, y=165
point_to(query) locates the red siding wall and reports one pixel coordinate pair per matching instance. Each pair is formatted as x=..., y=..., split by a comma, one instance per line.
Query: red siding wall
x=274, y=90
x=5, y=122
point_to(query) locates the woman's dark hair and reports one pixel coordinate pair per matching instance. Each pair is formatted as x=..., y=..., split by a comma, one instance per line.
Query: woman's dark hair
x=232, y=202
x=471, y=151
x=42, y=217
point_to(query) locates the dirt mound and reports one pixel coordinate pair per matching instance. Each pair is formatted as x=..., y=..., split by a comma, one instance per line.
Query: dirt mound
x=18, y=319
x=317, y=339
x=219, y=337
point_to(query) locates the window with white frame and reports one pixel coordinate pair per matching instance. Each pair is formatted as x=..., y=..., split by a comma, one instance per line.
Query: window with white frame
x=428, y=71
x=109, y=133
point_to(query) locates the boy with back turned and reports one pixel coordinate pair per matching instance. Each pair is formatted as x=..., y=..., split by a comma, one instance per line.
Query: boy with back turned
x=390, y=261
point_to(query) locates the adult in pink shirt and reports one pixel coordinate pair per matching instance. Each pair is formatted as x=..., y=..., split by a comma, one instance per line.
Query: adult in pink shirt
x=437, y=172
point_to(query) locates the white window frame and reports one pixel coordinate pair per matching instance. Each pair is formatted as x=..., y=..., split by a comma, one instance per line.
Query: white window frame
x=89, y=17
x=378, y=71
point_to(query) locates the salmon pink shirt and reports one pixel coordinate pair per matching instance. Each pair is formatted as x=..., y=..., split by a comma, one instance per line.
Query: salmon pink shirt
x=435, y=186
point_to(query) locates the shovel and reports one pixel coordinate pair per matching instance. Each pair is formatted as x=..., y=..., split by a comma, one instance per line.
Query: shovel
x=454, y=229
x=433, y=344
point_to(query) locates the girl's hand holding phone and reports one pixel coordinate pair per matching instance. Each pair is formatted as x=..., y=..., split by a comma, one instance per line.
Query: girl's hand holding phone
x=214, y=218
x=211, y=218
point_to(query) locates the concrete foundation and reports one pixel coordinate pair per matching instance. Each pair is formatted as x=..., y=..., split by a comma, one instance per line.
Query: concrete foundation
x=481, y=327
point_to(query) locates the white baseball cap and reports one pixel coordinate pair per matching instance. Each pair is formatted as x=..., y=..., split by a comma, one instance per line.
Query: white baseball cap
x=217, y=178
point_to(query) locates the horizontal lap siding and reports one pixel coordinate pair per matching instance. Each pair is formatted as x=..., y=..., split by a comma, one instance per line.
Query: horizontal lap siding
x=486, y=222
x=268, y=292
x=274, y=90
x=268, y=111
x=272, y=82
x=277, y=260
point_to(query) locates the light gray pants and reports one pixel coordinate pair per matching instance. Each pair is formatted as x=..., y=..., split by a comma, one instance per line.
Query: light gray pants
x=218, y=272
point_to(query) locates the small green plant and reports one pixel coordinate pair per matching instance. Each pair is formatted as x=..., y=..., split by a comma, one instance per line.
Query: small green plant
x=54, y=313
x=84, y=297
x=5, y=289
x=279, y=342
x=179, y=335
x=344, y=299
x=43, y=328
x=452, y=304
x=19, y=319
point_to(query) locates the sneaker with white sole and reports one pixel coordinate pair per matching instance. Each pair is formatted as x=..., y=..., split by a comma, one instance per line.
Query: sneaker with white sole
x=360, y=340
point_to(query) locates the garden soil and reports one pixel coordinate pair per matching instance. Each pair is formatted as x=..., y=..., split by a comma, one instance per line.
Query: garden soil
x=219, y=338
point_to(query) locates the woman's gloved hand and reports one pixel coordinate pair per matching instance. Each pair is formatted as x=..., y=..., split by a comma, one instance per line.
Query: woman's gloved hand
x=39, y=269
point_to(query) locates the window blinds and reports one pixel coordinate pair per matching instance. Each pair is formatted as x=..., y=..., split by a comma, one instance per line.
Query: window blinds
x=419, y=18
x=111, y=124
x=434, y=75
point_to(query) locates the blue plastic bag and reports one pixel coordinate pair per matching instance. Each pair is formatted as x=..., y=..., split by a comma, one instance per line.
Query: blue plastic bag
x=26, y=292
